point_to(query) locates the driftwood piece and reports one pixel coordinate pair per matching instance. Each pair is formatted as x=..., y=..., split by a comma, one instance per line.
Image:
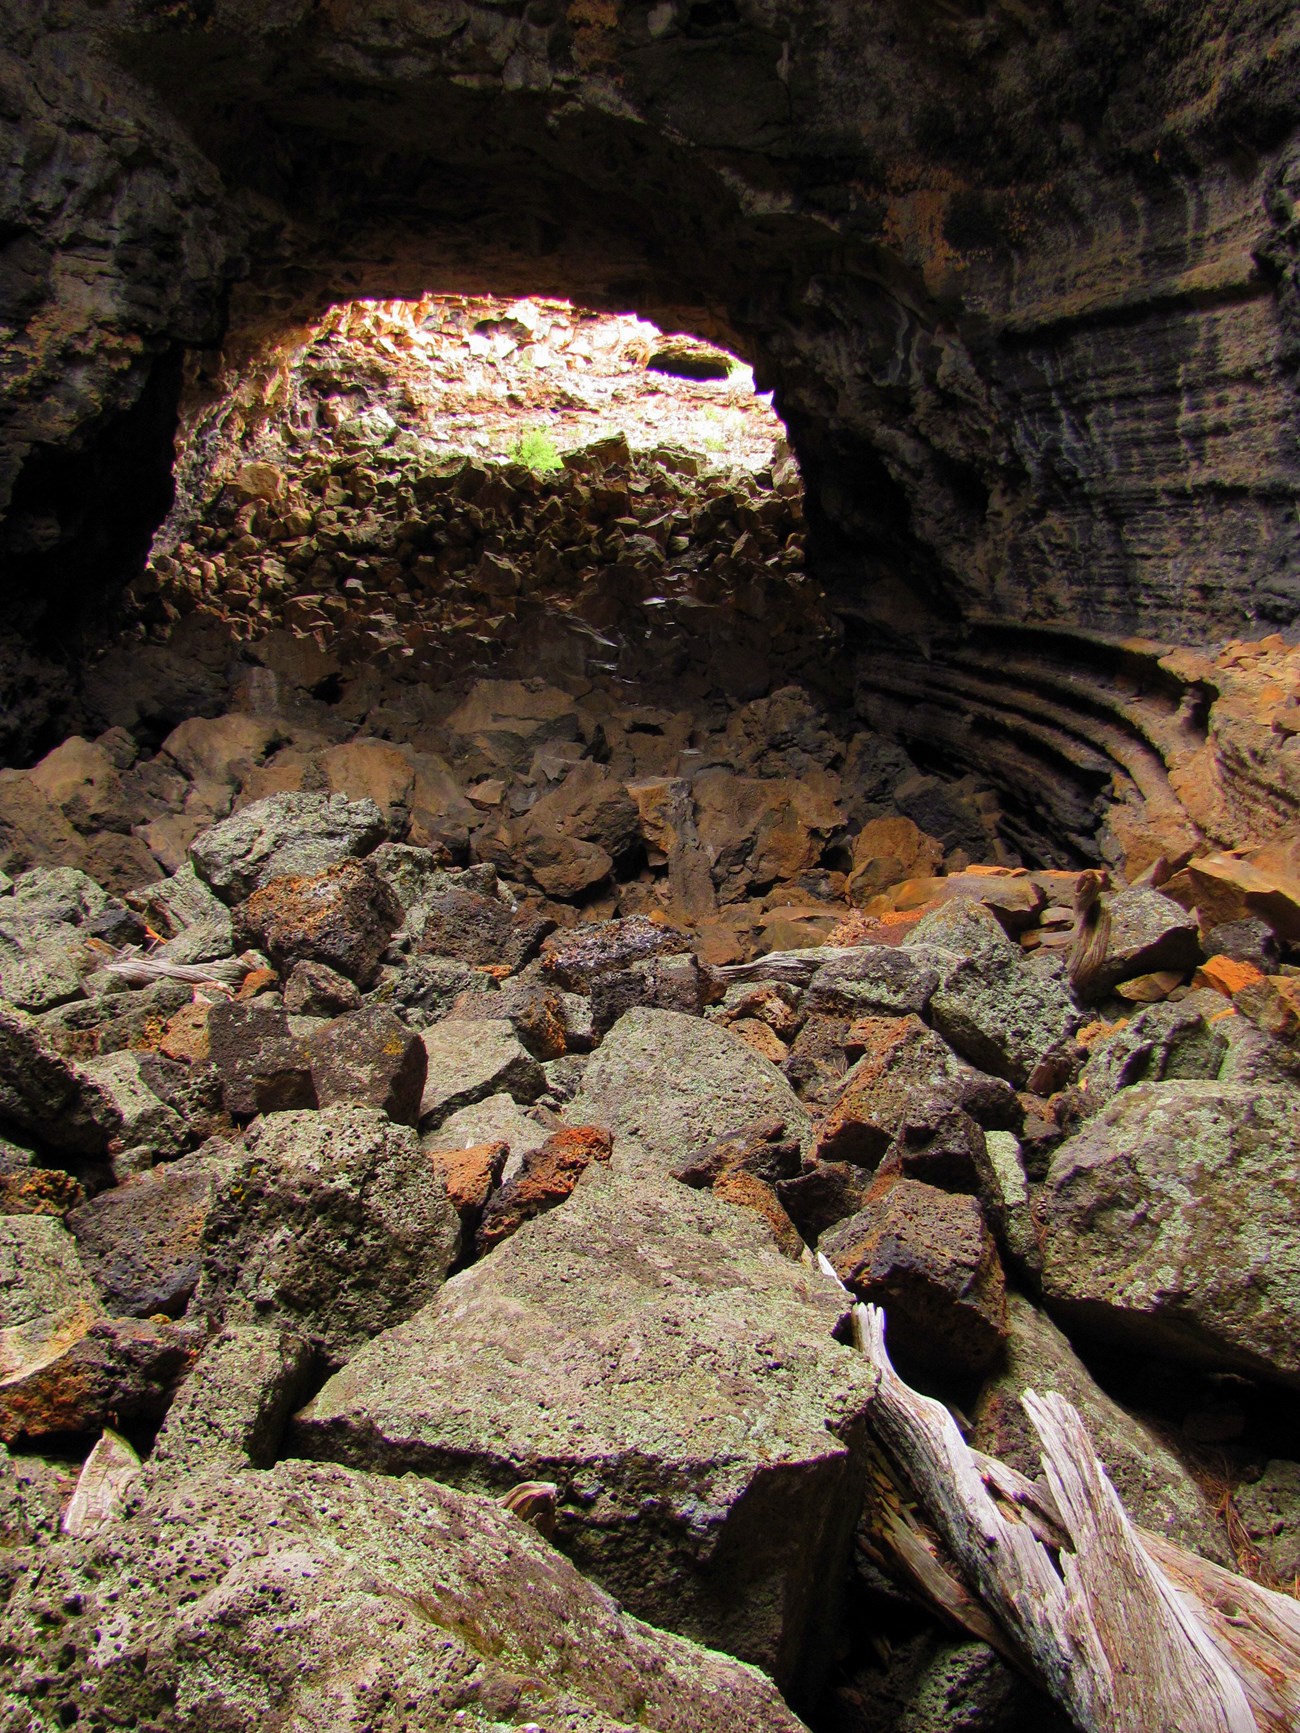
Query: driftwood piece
x=141, y=970
x=1128, y=1633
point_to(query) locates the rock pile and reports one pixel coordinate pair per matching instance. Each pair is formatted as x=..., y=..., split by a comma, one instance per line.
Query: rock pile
x=324, y=1153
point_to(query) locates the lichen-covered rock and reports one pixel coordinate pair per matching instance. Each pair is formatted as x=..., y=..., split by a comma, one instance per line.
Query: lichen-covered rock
x=470, y=1058
x=648, y=1349
x=332, y=1222
x=343, y=916
x=928, y=1259
x=873, y=980
x=317, y=1598
x=1148, y=931
x=669, y=1083
x=1157, y=1489
x=316, y=990
x=1172, y=1220
x=1004, y=1012
x=1269, y=1507
x=370, y=1057
x=285, y=834
x=48, y=1096
x=232, y=1409
x=472, y=928
x=580, y=955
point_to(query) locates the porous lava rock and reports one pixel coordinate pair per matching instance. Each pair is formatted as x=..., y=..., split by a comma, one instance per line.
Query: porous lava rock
x=1169, y=1222
x=343, y=917
x=285, y=835
x=648, y=1349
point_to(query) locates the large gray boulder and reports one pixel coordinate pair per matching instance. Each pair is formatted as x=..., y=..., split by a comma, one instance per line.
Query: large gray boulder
x=1172, y=1221
x=647, y=1348
x=313, y=1599
x=668, y=1084
x=331, y=1222
x=285, y=833
x=1157, y=1490
x=1005, y=1012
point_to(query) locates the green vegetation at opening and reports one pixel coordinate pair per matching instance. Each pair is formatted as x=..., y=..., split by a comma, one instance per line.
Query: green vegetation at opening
x=536, y=448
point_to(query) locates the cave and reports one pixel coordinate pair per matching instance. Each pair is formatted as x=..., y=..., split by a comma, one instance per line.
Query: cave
x=649, y=649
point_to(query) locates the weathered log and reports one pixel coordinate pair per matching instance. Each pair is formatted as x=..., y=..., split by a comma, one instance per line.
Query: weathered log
x=1127, y=1632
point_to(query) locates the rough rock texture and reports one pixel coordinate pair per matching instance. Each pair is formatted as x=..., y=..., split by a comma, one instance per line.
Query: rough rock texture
x=343, y=917
x=284, y=835
x=334, y=1221
x=1171, y=1222
x=239, y=1596
x=647, y=1348
x=1156, y=1487
x=140, y=1242
x=667, y=1084
x=469, y=1059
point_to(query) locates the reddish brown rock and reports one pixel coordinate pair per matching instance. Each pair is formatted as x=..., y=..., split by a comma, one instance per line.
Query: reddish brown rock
x=1273, y=1002
x=760, y=1148
x=823, y=1194
x=548, y=1175
x=901, y=1059
x=372, y=1058
x=116, y=1371
x=474, y=928
x=1226, y=975
x=747, y=1191
x=263, y=1067
x=316, y=990
x=580, y=955
x=468, y=1175
x=186, y=1034
x=928, y=1259
x=343, y=917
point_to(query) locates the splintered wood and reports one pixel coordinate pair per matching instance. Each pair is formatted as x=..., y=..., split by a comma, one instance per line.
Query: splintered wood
x=1127, y=1632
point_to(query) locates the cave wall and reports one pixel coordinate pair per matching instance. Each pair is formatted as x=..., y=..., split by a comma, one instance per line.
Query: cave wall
x=1022, y=276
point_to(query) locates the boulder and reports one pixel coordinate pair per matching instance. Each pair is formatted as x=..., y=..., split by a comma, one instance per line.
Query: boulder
x=872, y=980
x=904, y=1067
x=469, y=1176
x=823, y=1194
x=316, y=990
x=1005, y=1013
x=115, y=1370
x=928, y=1259
x=473, y=928
x=343, y=917
x=501, y=722
x=1165, y=1042
x=425, y=989
x=284, y=835
x=1172, y=1222
x=141, y=1119
x=495, y=1119
x=1148, y=932
x=198, y=924
x=545, y=1178
x=262, y=1065
x=47, y=1298
x=648, y=1350
x=1269, y=1507
x=232, y=1409
x=579, y=956
x=332, y=1222
x=1157, y=1489
x=667, y=1084
x=47, y=1096
x=80, y=778
x=370, y=1057
x=33, y=832
x=963, y=929
x=318, y=1598
x=473, y=1057
x=221, y=749
x=140, y=1241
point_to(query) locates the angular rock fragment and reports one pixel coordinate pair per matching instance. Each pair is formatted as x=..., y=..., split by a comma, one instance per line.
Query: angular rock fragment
x=46, y=1095
x=904, y=1067
x=232, y=1409
x=361, y=1592
x=331, y=1222
x=470, y=1058
x=468, y=1175
x=1171, y=1222
x=122, y=1369
x=263, y=1066
x=647, y=1349
x=545, y=1178
x=927, y=1258
x=873, y=980
x=343, y=917
x=580, y=955
x=669, y=1084
x=283, y=835
x=140, y=1117
x=823, y=1194
x=316, y=990
x=473, y=928
x=1005, y=1013
x=370, y=1057
x=1148, y=932
x=140, y=1241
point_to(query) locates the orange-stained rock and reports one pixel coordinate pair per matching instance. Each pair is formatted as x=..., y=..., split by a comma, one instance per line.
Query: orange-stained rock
x=186, y=1034
x=888, y=850
x=44, y=1191
x=1227, y=887
x=116, y=1370
x=548, y=1175
x=746, y=1190
x=469, y=1174
x=1226, y=975
x=1273, y=1003
x=343, y=917
x=1150, y=989
x=760, y=1038
x=1013, y=897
